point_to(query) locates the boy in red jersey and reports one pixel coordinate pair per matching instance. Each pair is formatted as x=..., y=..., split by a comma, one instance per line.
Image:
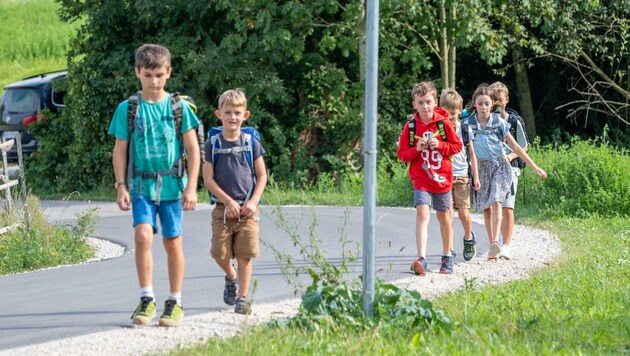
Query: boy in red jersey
x=426, y=142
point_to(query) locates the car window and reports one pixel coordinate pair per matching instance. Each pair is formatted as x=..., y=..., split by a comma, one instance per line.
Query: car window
x=19, y=101
x=58, y=97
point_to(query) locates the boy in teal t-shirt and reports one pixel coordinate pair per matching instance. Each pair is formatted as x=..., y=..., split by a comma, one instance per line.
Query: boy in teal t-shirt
x=155, y=148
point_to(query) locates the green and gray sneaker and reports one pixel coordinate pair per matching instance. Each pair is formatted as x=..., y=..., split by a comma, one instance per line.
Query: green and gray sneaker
x=145, y=312
x=470, y=251
x=172, y=315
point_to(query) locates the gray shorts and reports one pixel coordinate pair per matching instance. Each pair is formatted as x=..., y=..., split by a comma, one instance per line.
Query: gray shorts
x=511, y=199
x=439, y=201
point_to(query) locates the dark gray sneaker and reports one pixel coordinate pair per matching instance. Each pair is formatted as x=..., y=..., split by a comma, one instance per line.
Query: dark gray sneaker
x=242, y=306
x=229, y=292
x=470, y=251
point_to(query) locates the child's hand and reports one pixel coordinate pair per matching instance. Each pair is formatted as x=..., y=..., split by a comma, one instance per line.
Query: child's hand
x=249, y=209
x=422, y=144
x=189, y=200
x=434, y=143
x=123, y=200
x=541, y=173
x=233, y=210
x=476, y=185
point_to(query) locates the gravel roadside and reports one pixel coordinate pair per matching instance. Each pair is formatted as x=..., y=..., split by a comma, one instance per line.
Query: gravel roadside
x=531, y=250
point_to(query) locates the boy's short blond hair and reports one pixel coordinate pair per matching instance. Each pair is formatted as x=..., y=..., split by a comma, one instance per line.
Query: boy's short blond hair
x=153, y=56
x=233, y=97
x=450, y=99
x=499, y=87
x=422, y=89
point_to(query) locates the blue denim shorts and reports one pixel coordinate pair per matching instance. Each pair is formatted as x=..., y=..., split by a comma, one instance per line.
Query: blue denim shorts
x=171, y=213
x=439, y=201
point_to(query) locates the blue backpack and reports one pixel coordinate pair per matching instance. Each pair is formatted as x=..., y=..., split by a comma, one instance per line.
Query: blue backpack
x=249, y=133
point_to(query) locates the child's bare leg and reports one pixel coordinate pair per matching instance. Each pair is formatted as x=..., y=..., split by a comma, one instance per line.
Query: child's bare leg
x=487, y=220
x=466, y=220
x=227, y=267
x=176, y=263
x=496, y=220
x=422, y=226
x=446, y=229
x=244, y=275
x=507, y=225
x=144, y=258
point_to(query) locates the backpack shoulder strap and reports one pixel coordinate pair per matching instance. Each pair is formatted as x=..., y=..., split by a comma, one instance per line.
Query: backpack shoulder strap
x=249, y=149
x=176, y=108
x=441, y=130
x=215, y=143
x=412, y=130
x=132, y=111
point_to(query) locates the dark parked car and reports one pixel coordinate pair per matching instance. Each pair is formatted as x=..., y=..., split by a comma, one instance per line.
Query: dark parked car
x=23, y=103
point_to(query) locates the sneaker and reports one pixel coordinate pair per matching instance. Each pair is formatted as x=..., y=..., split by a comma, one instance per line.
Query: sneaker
x=446, y=267
x=453, y=253
x=419, y=266
x=506, y=252
x=229, y=292
x=494, y=251
x=242, y=306
x=470, y=251
x=173, y=313
x=145, y=312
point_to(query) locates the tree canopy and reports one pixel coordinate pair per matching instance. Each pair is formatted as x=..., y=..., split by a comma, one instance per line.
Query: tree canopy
x=300, y=64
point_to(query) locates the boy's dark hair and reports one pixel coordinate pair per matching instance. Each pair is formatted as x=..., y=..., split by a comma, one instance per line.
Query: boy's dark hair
x=152, y=56
x=422, y=89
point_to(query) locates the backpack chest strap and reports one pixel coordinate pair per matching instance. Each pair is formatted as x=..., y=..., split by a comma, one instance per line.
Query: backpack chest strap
x=232, y=150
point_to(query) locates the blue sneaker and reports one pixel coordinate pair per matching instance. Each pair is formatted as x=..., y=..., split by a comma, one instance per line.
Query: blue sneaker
x=470, y=251
x=419, y=266
x=446, y=267
x=229, y=292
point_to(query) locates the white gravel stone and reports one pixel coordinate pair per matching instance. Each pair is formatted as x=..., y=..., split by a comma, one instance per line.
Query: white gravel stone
x=531, y=249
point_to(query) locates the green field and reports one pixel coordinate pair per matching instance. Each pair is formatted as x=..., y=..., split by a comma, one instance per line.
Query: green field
x=32, y=40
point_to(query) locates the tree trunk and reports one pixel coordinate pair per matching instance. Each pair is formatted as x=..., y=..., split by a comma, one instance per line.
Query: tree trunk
x=444, y=52
x=524, y=94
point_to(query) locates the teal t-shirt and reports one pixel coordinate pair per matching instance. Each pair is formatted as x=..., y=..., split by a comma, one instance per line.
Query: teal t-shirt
x=155, y=144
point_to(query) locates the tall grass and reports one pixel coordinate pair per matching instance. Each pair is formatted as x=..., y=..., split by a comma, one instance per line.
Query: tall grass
x=32, y=39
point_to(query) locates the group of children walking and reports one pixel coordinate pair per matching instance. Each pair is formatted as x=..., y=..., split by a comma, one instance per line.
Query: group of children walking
x=447, y=158
x=154, y=128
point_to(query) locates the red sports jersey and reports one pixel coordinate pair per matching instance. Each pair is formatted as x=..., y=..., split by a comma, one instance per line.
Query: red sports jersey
x=430, y=170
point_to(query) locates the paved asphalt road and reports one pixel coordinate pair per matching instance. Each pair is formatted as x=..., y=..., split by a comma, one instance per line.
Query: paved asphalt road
x=63, y=302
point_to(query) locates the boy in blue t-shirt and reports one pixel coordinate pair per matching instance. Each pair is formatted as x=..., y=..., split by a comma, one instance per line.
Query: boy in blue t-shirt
x=156, y=190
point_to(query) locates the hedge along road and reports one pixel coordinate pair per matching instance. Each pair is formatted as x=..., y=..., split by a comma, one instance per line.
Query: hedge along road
x=76, y=300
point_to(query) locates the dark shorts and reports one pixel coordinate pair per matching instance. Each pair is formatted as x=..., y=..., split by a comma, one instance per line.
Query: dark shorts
x=439, y=201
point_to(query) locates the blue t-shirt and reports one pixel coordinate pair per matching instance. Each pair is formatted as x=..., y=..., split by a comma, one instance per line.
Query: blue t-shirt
x=155, y=144
x=488, y=145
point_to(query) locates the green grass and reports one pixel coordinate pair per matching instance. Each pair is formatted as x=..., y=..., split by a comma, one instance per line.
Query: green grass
x=578, y=305
x=33, y=39
x=40, y=244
